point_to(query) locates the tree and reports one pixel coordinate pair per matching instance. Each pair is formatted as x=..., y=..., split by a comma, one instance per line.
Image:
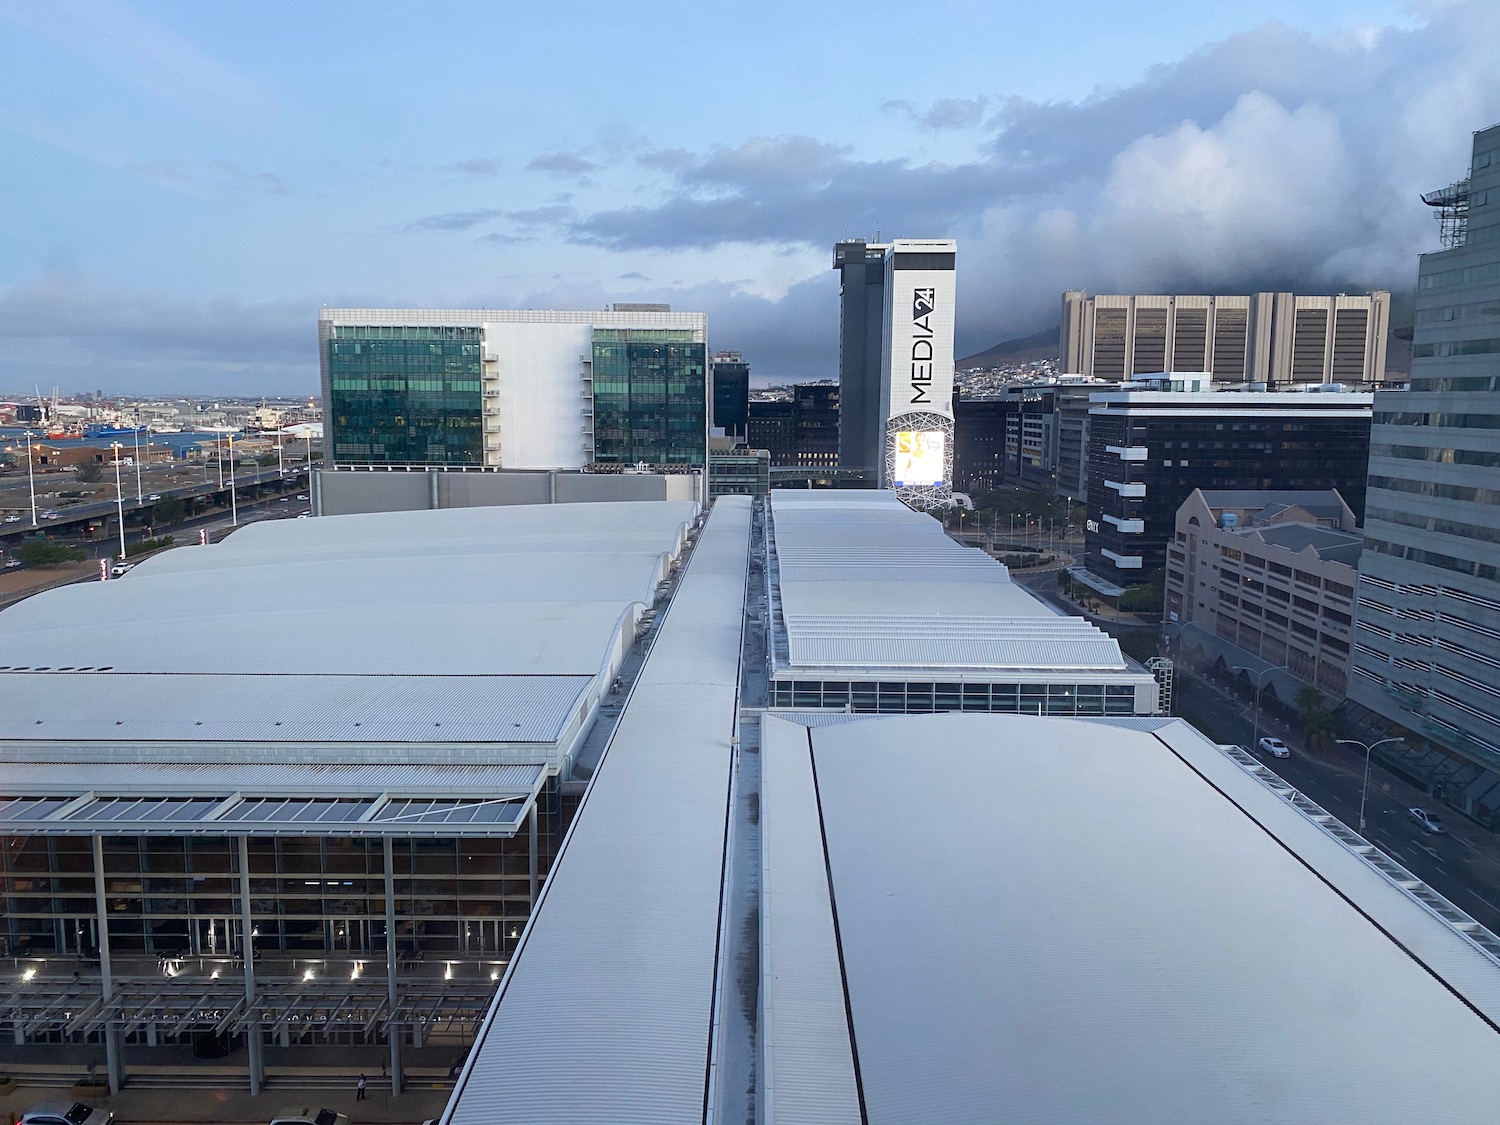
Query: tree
x=38, y=552
x=1141, y=598
x=1318, y=723
x=89, y=472
x=169, y=510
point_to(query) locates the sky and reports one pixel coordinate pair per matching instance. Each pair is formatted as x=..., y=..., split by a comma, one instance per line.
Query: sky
x=183, y=184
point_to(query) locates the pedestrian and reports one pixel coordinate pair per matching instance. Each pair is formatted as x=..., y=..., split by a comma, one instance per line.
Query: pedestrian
x=359, y=1090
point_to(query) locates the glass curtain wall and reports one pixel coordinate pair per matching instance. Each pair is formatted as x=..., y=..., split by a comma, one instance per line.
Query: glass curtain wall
x=650, y=397
x=405, y=395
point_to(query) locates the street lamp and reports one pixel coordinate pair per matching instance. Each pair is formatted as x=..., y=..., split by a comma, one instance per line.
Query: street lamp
x=119, y=497
x=138, y=496
x=234, y=507
x=31, y=477
x=1255, y=737
x=1365, y=788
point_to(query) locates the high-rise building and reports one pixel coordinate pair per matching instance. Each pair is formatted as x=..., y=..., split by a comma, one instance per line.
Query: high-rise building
x=731, y=393
x=816, y=421
x=514, y=389
x=898, y=384
x=861, y=268
x=1272, y=338
x=773, y=427
x=1151, y=444
x=1428, y=638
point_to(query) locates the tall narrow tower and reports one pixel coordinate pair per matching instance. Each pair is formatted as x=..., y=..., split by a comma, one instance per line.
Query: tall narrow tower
x=861, y=268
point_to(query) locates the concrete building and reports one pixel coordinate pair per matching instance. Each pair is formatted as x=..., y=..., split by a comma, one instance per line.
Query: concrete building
x=515, y=389
x=731, y=394
x=899, y=419
x=347, y=761
x=1153, y=443
x=1277, y=339
x=1428, y=645
x=1270, y=575
x=815, y=421
x=875, y=609
x=773, y=427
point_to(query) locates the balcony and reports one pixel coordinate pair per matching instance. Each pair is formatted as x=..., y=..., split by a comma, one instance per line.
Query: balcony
x=1128, y=490
x=1126, y=527
x=1127, y=452
x=1123, y=562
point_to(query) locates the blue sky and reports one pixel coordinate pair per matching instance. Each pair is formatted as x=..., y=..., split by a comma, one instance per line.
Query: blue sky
x=185, y=183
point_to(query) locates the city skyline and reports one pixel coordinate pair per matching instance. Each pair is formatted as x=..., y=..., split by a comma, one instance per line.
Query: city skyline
x=199, y=181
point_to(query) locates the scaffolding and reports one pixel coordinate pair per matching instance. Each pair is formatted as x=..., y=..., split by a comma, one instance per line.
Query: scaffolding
x=1452, y=206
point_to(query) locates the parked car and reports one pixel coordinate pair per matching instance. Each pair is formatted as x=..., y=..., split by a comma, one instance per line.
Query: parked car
x=1428, y=821
x=67, y=1113
x=310, y=1115
x=1275, y=747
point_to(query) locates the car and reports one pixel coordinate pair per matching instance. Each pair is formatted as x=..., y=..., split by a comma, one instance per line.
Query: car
x=49, y=514
x=303, y=496
x=1275, y=747
x=302, y=515
x=309, y=1115
x=67, y=1113
x=122, y=568
x=12, y=518
x=154, y=496
x=1428, y=821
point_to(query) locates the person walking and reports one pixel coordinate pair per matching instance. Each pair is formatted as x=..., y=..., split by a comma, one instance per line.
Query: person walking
x=359, y=1090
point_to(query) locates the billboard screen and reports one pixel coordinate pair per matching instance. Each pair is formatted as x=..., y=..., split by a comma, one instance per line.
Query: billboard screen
x=919, y=457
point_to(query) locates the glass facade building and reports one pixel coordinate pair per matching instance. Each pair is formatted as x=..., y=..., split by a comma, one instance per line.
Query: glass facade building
x=1427, y=639
x=405, y=395
x=650, y=397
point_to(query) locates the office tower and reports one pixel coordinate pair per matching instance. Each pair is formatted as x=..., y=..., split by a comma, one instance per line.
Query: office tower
x=896, y=411
x=514, y=389
x=816, y=421
x=773, y=427
x=1428, y=646
x=1272, y=338
x=1151, y=444
x=861, y=268
x=979, y=427
x=731, y=393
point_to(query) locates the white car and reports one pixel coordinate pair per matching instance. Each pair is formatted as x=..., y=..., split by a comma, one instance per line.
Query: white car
x=120, y=569
x=1275, y=747
x=309, y=1115
x=65, y=1113
x=12, y=519
x=1428, y=821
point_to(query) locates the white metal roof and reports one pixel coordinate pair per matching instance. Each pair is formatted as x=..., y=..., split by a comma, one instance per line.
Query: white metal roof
x=605, y=1012
x=188, y=707
x=865, y=582
x=1103, y=924
x=454, y=626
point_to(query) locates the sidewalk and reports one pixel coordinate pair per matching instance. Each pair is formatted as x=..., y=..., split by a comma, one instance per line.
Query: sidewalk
x=235, y=1106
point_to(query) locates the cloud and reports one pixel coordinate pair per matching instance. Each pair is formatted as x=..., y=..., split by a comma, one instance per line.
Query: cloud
x=633, y=275
x=943, y=114
x=454, y=220
x=1273, y=157
x=562, y=164
x=210, y=177
x=155, y=342
x=476, y=166
x=112, y=36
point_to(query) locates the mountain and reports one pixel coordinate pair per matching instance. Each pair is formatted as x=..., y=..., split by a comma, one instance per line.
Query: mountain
x=1039, y=345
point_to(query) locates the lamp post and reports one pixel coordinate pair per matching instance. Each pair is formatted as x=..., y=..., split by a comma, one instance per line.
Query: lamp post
x=138, y=496
x=31, y=478
x=1255, y=737
x=234, y=507
x=119, y=496
x=219, y=456
x=1364, y=789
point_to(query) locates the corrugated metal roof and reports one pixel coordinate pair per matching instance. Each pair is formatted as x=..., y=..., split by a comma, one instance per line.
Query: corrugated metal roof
x=865, y=584
x=939, y=642
x=806, y=1075
x=605, y=1013
x=1111, y=925
x=114, y=708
